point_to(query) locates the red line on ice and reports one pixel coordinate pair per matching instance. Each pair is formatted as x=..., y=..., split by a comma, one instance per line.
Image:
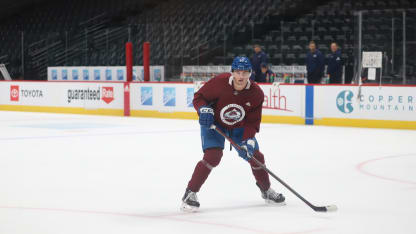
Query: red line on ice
x=360, y=168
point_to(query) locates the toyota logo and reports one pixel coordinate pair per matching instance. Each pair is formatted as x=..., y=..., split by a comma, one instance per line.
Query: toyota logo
x=14, y=93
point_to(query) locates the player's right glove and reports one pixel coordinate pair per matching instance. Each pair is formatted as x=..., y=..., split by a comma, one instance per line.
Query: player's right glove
x=247, y=149
x=206, y=116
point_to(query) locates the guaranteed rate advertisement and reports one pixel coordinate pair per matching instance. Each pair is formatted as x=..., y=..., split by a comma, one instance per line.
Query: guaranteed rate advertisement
x=89, y=93
x=371, y=102
x=57, y=94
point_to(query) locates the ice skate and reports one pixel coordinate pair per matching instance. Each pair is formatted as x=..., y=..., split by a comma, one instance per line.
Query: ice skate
x=272, y=197
x=190, y=202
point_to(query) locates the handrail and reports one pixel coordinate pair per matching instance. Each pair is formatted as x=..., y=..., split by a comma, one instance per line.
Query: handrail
x=206, y=52
x=202, y=43
x=37, y=42
x=385, y=10
x=91, y=19
x=100, y=34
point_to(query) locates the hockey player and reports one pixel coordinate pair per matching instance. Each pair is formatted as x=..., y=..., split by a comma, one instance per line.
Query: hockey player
x=234, y=104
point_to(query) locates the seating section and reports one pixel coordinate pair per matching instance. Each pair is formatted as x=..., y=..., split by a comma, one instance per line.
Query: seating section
x=334, y=21
x=55, y=33
x=185, y=32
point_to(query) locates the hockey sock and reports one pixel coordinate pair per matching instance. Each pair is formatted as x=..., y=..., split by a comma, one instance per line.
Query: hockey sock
x=262, y=178
x=212, y=158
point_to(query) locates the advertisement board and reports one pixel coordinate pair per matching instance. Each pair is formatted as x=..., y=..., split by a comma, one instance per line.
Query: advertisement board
x=109, y=73
x=283, y=100
x=368, y=106
x=162, y=97
x=372, y=102
x=84, y=95
x=280, y=100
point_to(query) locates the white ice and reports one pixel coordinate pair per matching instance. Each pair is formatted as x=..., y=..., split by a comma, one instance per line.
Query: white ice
x=74, y=174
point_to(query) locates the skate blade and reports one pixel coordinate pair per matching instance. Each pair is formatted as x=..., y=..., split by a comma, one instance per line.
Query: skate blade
x=189, y=209
x=273, y=203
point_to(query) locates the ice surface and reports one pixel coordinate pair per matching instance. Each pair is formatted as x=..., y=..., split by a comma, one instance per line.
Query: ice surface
x=79, y=174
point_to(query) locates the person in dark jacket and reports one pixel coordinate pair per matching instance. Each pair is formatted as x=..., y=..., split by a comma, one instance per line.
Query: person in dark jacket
x=265, y=74
x=335, y=63
x=258, y=58
x=315, y=64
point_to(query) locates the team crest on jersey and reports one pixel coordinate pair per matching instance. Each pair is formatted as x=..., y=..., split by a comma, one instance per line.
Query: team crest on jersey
x=232, y=114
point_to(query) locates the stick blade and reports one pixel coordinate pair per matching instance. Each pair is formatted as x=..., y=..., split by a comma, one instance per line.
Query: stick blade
x=330, y=208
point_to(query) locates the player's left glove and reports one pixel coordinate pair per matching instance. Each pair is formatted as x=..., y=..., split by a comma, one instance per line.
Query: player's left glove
x=206, y=116
x=247, y=149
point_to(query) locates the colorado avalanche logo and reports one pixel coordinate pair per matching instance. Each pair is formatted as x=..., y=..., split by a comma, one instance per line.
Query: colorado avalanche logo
x=232, y=114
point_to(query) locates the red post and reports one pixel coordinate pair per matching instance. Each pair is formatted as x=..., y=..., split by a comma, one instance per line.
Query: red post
x=129, y=61
x=126, y=99
x=129, y=72
x=146, y=61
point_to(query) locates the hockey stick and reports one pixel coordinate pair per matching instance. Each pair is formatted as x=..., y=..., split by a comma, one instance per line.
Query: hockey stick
x=329, y=208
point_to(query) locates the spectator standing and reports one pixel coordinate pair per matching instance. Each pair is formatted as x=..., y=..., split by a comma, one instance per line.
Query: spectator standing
x=315, y=64
x=335, y=63
x=258, y=58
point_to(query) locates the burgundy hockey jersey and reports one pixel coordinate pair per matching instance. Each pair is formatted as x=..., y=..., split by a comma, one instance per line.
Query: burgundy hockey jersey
x=232, y=108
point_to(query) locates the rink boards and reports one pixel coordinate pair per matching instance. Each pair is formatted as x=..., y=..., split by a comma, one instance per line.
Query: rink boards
x=368, y=106
x=63, y=97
